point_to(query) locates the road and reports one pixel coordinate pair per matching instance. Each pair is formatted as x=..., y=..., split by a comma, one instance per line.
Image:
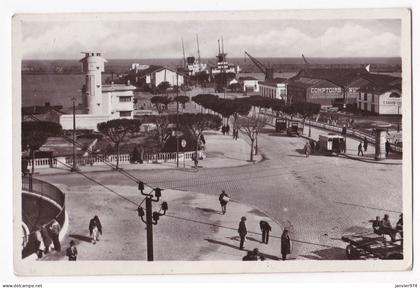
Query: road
x=319, y=198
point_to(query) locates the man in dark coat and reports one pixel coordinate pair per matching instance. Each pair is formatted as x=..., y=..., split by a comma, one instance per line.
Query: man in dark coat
x=387, y=147
x=376, y=225
x=285, y=244
x=95, y=228
x=242, y=232
x=71, y=252
x=365, y=144
x=55, y=232
x=265, y=231
x=359, y=149
x=223, y=199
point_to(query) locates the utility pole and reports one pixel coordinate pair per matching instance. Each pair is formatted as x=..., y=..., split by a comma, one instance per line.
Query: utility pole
x=74, y=167
x=152, y=218
x=177, y=122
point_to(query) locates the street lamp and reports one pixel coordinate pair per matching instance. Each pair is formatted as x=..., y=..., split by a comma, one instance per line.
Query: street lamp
x=152, y=218
x=74, y=168
x=398, y=119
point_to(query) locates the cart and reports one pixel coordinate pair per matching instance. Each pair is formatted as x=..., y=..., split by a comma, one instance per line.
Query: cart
x=372, y=246
x=295, y=128
x=331, y=143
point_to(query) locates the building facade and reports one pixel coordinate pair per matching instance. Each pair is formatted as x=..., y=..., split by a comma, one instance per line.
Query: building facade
x=249, y=84
x=274, y=89
x=102, y=102
x=154, y=75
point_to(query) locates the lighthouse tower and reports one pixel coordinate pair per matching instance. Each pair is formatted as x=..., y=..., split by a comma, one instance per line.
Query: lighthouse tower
x=93, y=66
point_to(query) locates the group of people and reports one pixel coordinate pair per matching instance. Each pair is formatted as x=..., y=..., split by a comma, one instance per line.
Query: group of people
x=363, y=146
x=384, y=227
x=95, y=229
x=225, y=129
x=265, y=227
x=45, y=235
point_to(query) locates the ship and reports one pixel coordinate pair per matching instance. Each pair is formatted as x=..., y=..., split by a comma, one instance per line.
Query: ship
x=223, y=66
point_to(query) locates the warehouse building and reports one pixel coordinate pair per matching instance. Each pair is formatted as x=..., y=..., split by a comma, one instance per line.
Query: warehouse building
x=380, y=94
x=328, y=87
x=274, y=89
x=249, y=84
x=154, y=75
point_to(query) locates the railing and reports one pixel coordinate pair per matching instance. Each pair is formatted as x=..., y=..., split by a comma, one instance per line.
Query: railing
x=51, y=193
x=123, y=159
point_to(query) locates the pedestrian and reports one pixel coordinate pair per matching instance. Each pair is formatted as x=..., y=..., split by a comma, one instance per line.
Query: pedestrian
x=55, y=232
x=223, y=199
x=359, y=149
x=223, y=129
x=46, y=237
x=194, y=158
x=242, y=232
x=39, y=242
x=387, y=147
x=285, y=244
x=399, y=226
x=307, y=149
x=250, y=256
x=376, y=225
x=265, y=231
x=365, y=144
x=95, y=228
x=227, y=129
x=386, y=227
x=71, y=252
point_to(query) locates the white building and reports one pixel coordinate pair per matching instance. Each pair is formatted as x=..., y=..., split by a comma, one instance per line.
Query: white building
x=154, y=75
x=103, y=102
x=383, y=102
x=274, y=89
x=380, y=95
x=249, y=84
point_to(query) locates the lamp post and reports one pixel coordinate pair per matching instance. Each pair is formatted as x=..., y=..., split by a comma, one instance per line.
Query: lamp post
x=74, y=168
x=152, y=218
x=398, y=124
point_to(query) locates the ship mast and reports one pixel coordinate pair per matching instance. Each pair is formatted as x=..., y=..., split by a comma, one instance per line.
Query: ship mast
x=198, y=51
x=183, y=52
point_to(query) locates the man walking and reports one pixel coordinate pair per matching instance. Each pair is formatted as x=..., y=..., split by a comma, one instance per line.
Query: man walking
x=285, y=244
x=365, y=144
x=223, y=199
x=265, y=231
x=55, y=232
x=95, y=228
x=359, y=149
x=71, y=252
x=242, y=232
x=307, y=149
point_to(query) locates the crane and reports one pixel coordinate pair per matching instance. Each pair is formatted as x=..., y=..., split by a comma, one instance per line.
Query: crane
x=304, y=60
x=268, y=72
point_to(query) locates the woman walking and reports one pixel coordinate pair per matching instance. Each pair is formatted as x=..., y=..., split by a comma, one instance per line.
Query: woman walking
x=285, y=244
x=95, y=228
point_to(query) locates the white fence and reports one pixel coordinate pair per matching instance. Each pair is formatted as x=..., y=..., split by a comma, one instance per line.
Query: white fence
x=62, y=162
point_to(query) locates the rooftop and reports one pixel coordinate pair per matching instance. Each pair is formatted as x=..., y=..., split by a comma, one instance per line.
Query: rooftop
x=339, y=76
x=117, y=87
x=62, y=147
x=273, y=82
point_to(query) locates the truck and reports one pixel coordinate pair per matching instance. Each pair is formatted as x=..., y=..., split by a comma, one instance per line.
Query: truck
x=331, y=143
x=290, y=127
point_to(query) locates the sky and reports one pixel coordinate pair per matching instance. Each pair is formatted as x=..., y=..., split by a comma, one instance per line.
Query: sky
x=136, y=39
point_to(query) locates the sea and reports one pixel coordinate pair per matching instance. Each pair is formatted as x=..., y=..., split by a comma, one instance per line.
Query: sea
x=57, y=81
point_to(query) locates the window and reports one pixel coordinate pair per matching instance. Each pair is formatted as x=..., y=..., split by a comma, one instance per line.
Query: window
x=125, y=113
x=365, y=96
x=372, y=107
x=125, y=98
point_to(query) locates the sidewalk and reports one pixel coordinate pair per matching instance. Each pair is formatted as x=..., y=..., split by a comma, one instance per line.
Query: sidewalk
x=352, y=149
x=193, y=229
x=221, y=151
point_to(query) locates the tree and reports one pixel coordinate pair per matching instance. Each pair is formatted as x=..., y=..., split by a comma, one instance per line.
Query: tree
x=117, y=129
x=161, y=102
x=182, y=100
x=197, y=123
x=161, y=121
x=251, y=126
x=36, y=133
x=163, y=87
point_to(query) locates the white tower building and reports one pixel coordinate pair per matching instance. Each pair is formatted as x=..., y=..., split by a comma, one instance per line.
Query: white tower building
x=93, y=66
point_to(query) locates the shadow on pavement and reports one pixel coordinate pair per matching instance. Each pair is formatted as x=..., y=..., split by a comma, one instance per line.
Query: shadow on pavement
x=208, y=210
x=81, y=237
x=267, y=256
x=328, y=254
